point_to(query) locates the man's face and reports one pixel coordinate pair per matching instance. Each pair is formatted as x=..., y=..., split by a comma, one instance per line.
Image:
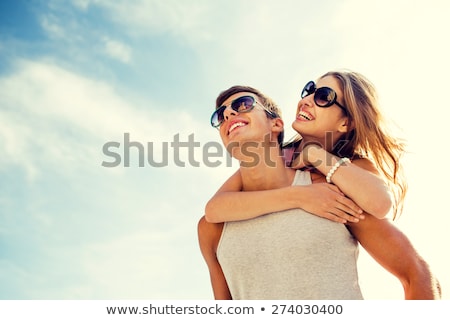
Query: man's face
x=241, y=130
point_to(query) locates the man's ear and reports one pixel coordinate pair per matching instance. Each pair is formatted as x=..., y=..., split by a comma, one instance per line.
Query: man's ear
x=277, y=125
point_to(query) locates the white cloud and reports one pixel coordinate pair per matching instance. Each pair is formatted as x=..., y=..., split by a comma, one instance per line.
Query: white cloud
x=180, y=18
x=66, y=116
x=82, y=4
x=117, y=50
x=50, y=24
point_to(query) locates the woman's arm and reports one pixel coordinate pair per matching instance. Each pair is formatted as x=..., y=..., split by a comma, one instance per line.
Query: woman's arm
x=359, y=180
x=322, y=199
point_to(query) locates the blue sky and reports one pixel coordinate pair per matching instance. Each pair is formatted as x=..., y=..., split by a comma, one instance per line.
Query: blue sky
x=75, y=75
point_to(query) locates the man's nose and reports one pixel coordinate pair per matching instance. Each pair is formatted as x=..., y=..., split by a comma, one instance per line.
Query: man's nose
x=228, y=112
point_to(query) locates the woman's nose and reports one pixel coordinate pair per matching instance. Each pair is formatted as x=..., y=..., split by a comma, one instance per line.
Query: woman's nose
x=307, y=101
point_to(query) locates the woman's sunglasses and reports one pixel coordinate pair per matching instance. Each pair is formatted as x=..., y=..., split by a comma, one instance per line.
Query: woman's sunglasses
x=241, y=105
x=323, y=97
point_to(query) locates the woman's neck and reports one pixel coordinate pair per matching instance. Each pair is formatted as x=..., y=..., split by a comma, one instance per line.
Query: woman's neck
x=327, y=142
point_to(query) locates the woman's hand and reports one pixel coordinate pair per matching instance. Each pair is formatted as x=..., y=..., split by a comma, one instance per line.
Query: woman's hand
x=302, y=159
x=327, y=201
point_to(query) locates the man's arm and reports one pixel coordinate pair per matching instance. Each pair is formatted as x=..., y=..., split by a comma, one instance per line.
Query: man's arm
x=394, y=251
x=208, y=237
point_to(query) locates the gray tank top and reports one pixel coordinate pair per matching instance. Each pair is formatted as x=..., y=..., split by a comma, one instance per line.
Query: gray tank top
x=289, y=255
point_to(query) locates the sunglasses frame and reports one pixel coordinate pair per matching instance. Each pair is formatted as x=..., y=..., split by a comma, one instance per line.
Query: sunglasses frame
x=235, y=105
x=306, y=92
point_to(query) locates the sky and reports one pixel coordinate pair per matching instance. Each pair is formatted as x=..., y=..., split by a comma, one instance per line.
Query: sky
x=107, y=158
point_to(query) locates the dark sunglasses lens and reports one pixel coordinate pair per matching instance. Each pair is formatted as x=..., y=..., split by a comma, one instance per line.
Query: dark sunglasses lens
x=324, y=97
x=309, y=88
x=217, y=117
x=243, y=104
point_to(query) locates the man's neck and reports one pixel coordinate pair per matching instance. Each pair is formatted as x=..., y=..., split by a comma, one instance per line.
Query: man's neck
x=266, y=172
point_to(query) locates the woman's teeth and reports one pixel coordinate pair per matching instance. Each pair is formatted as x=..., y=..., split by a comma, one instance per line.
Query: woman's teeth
x=304, y=115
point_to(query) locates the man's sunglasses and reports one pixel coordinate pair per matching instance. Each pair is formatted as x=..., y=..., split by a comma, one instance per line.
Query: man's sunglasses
x=242, y=104
x=323, y=97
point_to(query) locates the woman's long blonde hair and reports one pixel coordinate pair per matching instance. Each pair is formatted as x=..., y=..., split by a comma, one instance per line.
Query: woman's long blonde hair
x=370, y=136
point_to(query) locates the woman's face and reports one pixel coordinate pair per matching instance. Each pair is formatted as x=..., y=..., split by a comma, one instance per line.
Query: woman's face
x=313, y=122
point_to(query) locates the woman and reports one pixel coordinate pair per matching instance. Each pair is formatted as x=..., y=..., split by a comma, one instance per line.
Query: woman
x=360, y=134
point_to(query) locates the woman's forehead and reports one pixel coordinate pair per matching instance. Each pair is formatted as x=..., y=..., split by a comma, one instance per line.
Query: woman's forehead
x=329, y=81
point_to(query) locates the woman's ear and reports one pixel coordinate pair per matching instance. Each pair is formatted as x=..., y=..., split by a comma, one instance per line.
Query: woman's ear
x=345, y=125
